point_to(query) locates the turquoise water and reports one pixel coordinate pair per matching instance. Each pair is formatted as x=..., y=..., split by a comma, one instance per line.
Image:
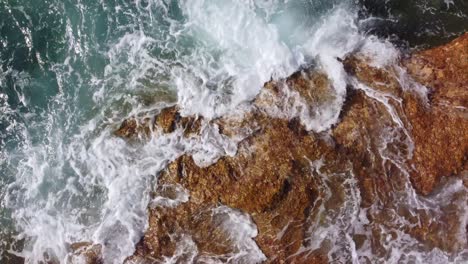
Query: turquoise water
x=72, y=70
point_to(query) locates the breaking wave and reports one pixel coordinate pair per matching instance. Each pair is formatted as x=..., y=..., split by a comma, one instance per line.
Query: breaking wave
x=72, y=71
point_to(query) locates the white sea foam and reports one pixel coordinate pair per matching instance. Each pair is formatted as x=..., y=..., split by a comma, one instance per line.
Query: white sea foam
x=80, y=183
x=241, y=231
x=330, y=226
x=399, y=245
x=241, y=52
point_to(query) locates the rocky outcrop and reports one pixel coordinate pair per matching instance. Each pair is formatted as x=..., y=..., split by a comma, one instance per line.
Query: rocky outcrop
x=270, y=178
x=165, y=122
x=398, y=122
x=438, y=125
x=440, y=131
x=432, y=144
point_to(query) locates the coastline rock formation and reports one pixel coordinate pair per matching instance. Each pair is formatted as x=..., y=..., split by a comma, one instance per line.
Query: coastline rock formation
x=438, y=124
x=271, y=178
x=303, y=196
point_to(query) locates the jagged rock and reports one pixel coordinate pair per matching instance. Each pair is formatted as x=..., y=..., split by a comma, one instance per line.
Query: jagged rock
x=275, y=157
x=278, y=92
x=166, y=121
x=440, y=132
x=358, y=135
x=132, y=127
x=438, y=127
x=273, y=177
x=85, y=252
x=270, y=178
x=437, y=130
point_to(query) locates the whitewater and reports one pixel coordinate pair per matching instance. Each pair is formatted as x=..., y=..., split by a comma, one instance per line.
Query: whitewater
x=72, y=71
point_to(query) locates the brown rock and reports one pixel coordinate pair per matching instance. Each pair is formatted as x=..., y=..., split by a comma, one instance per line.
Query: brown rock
x=441, y=131
x=313, y=86
x=438, y=132
x=166, y=121
x=438, y=127
x=272, y=177
x=359, y=135
x=86, y=252
x=133, y=127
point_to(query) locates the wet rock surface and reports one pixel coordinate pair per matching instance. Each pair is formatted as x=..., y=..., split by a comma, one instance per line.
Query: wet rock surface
x=444, y=125
x=370, y=181
x=437, y=124
x=270, y=178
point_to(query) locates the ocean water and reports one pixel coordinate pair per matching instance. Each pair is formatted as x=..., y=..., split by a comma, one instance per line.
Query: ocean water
x=72, y=70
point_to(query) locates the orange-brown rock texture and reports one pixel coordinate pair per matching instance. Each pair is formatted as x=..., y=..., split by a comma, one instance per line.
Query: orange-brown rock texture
x=270, y=178
x=438, y=127
x=291, y=182
x=440, y=131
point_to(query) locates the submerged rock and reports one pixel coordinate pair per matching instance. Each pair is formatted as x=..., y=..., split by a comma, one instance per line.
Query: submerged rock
x=290, y=195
